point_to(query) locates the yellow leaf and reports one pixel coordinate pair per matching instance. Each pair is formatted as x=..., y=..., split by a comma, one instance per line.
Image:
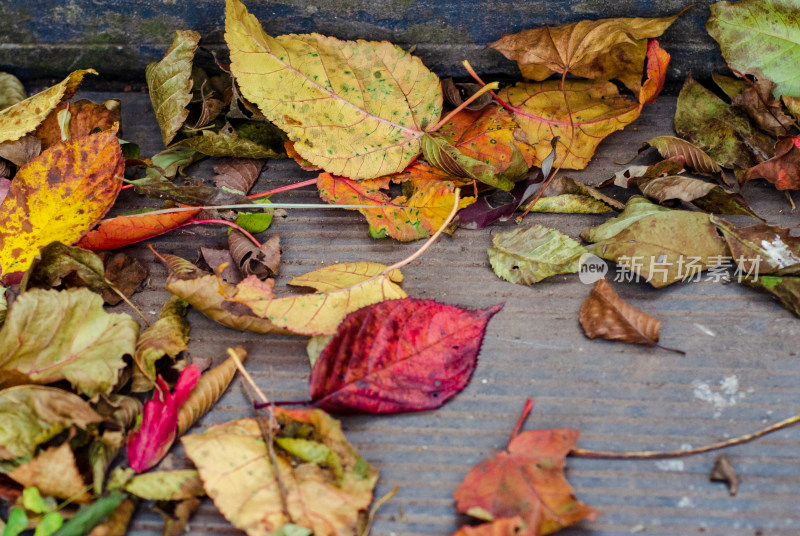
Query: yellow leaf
x=55, y=473
x=59, y=195
x=354, y=108
x=596, y=110
x=25, y=116
x=343, y=275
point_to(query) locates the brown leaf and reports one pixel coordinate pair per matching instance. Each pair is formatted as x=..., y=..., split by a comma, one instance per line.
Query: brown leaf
x=456, y=93
x=693, y=156
x=176, y=519
x=765, y=110
x=117, y=524
x=168, y=336
x=84, y=117
x=124, y=272
x=262, y=262
x=21, y=151
x=55, y=473
x=237, y=174
x=782, y=170
x=605, y=315
x=216, y=258
x=723, y=471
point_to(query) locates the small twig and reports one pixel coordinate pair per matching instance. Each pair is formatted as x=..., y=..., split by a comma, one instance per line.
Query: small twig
x=246, y=375
x=478, y=94
x=374, y=510
x=647, y=454
x=222, y=222
x=791, y=201
x=283, y=189
x=126, y=300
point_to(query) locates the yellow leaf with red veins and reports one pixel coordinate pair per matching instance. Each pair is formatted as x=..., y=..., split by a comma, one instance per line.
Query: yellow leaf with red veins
x=59, y=195
x=25, y=116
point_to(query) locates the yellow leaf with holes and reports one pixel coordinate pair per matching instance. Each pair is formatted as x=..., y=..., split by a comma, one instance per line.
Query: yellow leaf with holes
x=25, y=116
x=354, y=108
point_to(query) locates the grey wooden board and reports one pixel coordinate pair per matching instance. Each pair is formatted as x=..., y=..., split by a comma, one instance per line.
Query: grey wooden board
x=740, y=371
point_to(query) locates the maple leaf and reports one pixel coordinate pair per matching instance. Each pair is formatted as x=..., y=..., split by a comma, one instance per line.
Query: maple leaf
x=399, y=355
x=320, y=481
x=151, y=441
x=604, y=314
x=84, y=118
x=360, y=113
x=602, y=49
x=526, y=481
x=58, y=196
x=121, y=231
x=782, y=170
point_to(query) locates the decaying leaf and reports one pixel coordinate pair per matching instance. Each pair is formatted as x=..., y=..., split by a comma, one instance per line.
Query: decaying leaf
x=501, y=527
x=456, y=93
x=85, y=117
x=11, y=90
x=328, y=486
x=170, y=83
x=54, y=473
x=693, y=156
x=354, y=108
x=209, y=388
x=92, y=515
x=3, y=304
x=604, y=314
x=602, y=49
x=177, y=514
x=763, y=249
x=782, y=170
x=24, y=116
x=263, y=262
x=528, y=255
x=675, y=187
x=171, y=161
x=567, y=195
x=20, y=152
x=124, y=272
x=215, y=258
x=166, y=485
x=83, y=179
x=765, y=110
x=117, y=523
x=723, y=471
x=51, y=336
x=760, y=38
x=399, y=355
x=168, y=336
x=124, y=230
x=228, y=143
x=237, y=174
x=527, y=481
x=57, y=264
x=33, y=414
x=157, y=186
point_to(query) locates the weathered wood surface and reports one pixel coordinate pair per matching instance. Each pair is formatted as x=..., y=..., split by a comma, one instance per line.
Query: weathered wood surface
x=740, y=371
x=48, y=38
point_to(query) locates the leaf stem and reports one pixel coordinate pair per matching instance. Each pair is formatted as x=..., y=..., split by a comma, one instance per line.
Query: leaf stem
x=500, y=101
x=222, y=222
x=477, y=95
x=246, y=376
x=521, y=421
x=127, y=301
x=282, y=189
x=647, y=454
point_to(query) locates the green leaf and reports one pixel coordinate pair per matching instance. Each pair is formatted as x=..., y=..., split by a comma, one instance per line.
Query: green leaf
x=11, y=90
x=228, y=144
x=49, y=524
x=17, y=522
x=440, y=154
x=255, y=222
x=166, y=485
x=92, y=515
x=170, y=83
x=57, y=262
x=290, y=529
x=525, y=256
x=637, y=208
x=786, y=289
x=168, y=336
x=173, y=160
x=51, y=336
x=130, y=150
x=729, y=85
x=762, y=38
x=570, y=204
x=33, y=502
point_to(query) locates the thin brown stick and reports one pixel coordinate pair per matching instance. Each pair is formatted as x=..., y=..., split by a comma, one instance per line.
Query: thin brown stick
x=649, y=454
x=448, y=117
x=521, y=421
x=127, y=301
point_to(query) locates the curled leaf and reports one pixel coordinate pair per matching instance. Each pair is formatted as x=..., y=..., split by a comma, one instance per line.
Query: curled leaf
x=228, y=143
x=237, y=174
x=263, y=262
x=57, y=264
x=782, y=170
x=763, y=249
x=456, y=93
x=11, y=90
x=438, y=152
x=657, y=63
x=765, y=110
x=20, y=152
x=168, y=336
x=124, y=272
x=693, y=156
x=723, y=471
x=604, y=314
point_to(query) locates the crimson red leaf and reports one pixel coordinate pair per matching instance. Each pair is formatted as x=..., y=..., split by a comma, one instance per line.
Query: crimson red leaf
x=151, y=441
x=399, y=355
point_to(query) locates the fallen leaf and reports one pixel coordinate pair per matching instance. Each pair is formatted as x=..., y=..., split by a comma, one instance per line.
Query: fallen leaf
x=498, y=205
x=693, y=156
x=404, y=218
x=624, y=178
x=304, y=164
x=675, y=187
x=526, y=481
x=723, y=132
x=123, y=230
x=444, y=156
x=328, y=486
x=215, y=258
x=663, y=246
x=157, y=186
x=208, y=390
x=763, y=249
x=173, y=160
x=125, y=273
x=237, y=174
x=602, y=49
x=360, y=114
x=256, y=222
x=501, y=527
x=765, y=110
x=20, y=152
x=24, y=116
x=54, y=473
x=3, y=305
x=92, y=515
x=85, y=117
x=528, y=255
x=227, y=143
x=170, y=84
x=176, y=515
x=57, y=265
x=759, y=38
x=657, y=63
x=399, y=355
x=149, y=443
x=54, y=198
x=17, y=522
x=597, y=109
x=263, y=262
x=315, y=346
x=604, y=314
x=34, y=414
x=723, y=471
x=51, y=336
x=782, y=170
x=117, y=522
x=166, y=485
x=167, y=336
x=720, y=201
x=729, y=85
x=566, y=195
x=11, y=90
x=456, y=93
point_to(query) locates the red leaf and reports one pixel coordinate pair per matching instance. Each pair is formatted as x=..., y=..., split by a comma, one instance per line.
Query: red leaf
x=526, y=480
x=657, y=63
x=151, y=441
x=399, y=355
x=782, y=170
x=123, y=230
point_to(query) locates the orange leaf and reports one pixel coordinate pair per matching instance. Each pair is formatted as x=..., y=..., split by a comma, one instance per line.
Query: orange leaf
x=292, y=153
x=605, y=315
x=59, y=195
x=85, y=116
x=123, y=230
x=657, y=63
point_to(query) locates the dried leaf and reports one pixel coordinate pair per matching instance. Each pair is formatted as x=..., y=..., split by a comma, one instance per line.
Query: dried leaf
x=657, y=63
x=263, y=262
x=92, y=515
x=237, y=174
x=602, y=49
x=57, y=265
x=11, y=90
x=53, y=198
x=636, y=209
x=763, y=249
x=215, y=258
x=675, y=187
x=759, y=38
x=166, y=485
x=24, y=116
x=149, y=443
x=328, y=485
x=567, y=195
x=173, y=160
x=501, y=527
x=384, y=97
x=3, y=305
x=124, y=230
x=719, y=201
x=84, y=118
x=782, y=170
x=528, y=255
x=176, y=521
x=168, y=336
x=117, y=522
x=170, y=83
x=125, y=273
x=399, y=355
x=33, y=414
x=693, y=156
x=156, y=186
x=604, y=314
x=51, y=336
x=765, y=110
x=456, y=93
x=228, y=144
x=786, y=289
x=527, y=481
x=724, y=471
x=729, y=85
x=54, y=473
x=209, y=389
x=21, y=151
